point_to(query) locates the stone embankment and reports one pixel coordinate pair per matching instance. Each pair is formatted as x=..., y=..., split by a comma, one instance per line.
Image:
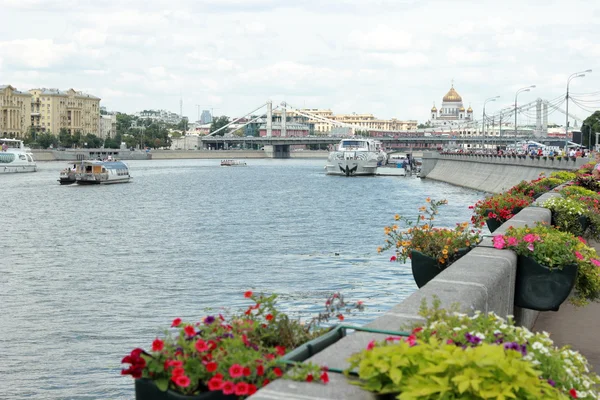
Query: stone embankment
x=490, y=173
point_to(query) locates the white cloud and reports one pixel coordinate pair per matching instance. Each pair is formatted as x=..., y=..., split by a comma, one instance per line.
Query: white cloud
x=36, y=53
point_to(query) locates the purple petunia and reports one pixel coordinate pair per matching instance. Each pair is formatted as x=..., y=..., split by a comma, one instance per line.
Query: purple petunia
x=209, y=320
x=551, y=382
x=472, y=338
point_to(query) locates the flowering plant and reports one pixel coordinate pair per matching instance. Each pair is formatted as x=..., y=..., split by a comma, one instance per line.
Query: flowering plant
x=567, y=214
x=453, y=355
x=555, y=249
x=235, y=355
x=500, y=207
x=442, y=244
x=537, y=186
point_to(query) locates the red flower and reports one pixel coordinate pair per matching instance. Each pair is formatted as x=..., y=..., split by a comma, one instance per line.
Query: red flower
x=211, y=366
x=573, y=393
x=309, y=378
x=176, y=322
x=260, y=370
x=324, y=377
x=269, y=317
x=228, y=387
x=251, y=389
x=182, y=381
x=157, y=345
x=201, y=346
x=280, y=350
x=212, y=345
x=277, y=371
x=417, y=330
x=189, y=330
x=241, y=389
x=246, y=371
x=266, y=382
x=248, y=294
x=340, y=317
x=215, y=384
x=177, y=372
x=393, y=258
x=218, y=376
x=236, y=371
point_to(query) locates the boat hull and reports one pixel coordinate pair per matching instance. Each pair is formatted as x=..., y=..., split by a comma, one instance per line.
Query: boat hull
x=17, y=169
x=101, y=182
x=351, y=167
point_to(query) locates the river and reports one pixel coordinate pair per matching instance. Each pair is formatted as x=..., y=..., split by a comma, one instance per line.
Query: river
x=87, y=273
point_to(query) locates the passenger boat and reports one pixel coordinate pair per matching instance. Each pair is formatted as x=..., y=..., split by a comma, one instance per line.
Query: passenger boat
x=233, y=163
x=102, y=172
x=69, y=174
x=356, y=156
x=15, y=157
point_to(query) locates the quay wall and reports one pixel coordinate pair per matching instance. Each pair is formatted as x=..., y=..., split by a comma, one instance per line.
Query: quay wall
x=484, y=279
x=488, y=173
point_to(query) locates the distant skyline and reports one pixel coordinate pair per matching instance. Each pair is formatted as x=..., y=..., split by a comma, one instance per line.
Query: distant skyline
x=390, y=58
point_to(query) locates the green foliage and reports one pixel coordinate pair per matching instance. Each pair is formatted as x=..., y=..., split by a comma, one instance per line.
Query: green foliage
x=574, y=191
x=218, y=123
x=567, y=214
x=443, y=244
x=593, y=121
x=434, y=370
x=46, y=140
x=564, y=176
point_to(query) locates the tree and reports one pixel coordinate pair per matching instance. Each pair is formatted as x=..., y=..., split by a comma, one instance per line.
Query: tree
x=219, y=123
x=425, y=125
x=47, y=139
x=64, y=137
x=591, y=123
x=111, y=143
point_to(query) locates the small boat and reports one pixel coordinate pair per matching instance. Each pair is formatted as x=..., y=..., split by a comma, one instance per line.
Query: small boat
x=356, y=156
x=233, y=163
x=15, y=157
x=68, y=175
x=92, y=172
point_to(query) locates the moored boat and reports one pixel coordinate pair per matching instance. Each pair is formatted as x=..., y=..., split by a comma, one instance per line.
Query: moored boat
x=356, y=156
x=15, y=157
x=92, y=172
x=233, y=163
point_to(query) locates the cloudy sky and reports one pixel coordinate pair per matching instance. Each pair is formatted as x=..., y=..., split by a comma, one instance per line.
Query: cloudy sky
x=391, y=58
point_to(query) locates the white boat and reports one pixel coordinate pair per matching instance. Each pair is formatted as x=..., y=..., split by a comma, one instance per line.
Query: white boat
x=233, y=163
x=15, y=157
x=94, y=172
x=356, y=156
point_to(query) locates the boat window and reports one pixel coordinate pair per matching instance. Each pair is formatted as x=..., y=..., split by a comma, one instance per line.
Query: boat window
x=7, y=158
x=353, y=143
x=22, y=157
x=29, y=158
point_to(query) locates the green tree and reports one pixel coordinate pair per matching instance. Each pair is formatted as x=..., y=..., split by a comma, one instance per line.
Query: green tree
x=591, y=123
x=64, y=137
x=219, y=123
x=425, y=125
x=46, y=139
x=112, y=143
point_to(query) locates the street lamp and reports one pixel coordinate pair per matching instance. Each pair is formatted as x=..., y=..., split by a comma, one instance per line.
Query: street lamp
x=573, y=76
x=525, y=89
x=483, y=118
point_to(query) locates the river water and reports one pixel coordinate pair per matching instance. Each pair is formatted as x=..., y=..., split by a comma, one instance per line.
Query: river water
x=87, y=273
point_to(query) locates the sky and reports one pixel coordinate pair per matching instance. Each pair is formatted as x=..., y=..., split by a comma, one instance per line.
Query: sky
x=390, y=58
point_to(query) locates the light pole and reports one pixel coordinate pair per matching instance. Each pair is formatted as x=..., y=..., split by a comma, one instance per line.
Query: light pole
x=573, y=76
x=525, y=89
x=483, y=118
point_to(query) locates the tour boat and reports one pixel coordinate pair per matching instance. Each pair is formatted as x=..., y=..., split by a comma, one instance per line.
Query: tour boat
x=69, y=174
x=101, y=172
x=15, y=157
x=233, y=163
x=356, y=156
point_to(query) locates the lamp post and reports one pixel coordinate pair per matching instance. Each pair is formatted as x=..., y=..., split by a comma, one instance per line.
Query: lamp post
x=483, y=118
x=573, y=76
x=525, y=89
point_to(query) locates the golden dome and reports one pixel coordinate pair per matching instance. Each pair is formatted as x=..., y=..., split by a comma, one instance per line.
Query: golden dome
x=452, y=96
x=461, y=109
x=469, y=110
x=433, y=109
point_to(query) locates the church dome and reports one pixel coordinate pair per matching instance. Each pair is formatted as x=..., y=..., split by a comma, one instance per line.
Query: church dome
x=433, y=109
x=452, y=96
x=469, y=110
x=461, y=109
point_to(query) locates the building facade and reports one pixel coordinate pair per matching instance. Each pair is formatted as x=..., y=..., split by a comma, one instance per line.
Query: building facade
x=452, y=112
x=15, y=112
x=53, y=110
x=206, y=117
x=291, y=129
x=165, y=116
x=108, y=126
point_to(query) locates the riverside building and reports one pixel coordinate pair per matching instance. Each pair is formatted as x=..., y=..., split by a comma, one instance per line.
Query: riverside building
x=15, y=112
x=452, y=112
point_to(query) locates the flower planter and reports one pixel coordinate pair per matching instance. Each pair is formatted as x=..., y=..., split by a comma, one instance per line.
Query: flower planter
x=540, y=288
x=316, y=345
x=584, y=223
x=493, y=223
x=425, y=268
x=145, y=389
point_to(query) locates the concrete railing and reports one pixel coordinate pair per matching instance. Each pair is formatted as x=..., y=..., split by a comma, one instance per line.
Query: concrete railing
x=489, y=173
x=484, y=279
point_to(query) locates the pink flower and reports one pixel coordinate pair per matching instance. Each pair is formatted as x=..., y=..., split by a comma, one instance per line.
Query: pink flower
x=595, y=262
x=499, y=242
x=512, y=241
x=201, y=346
x=182, y=381
x=228, y=387
x=371, y=345
x=236, y=371
x=530, y=246
x=578, y=255
x=582, y=240
x=241, y=389
x=176, y=322
x=530, y=238
x=189, y=330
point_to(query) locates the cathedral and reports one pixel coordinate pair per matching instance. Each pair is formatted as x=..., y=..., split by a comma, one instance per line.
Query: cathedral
x=452, y=112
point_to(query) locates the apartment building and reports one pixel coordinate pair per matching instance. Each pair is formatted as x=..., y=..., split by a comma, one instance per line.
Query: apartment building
x=53, y=109
x=15, y=112
x=108, y=126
